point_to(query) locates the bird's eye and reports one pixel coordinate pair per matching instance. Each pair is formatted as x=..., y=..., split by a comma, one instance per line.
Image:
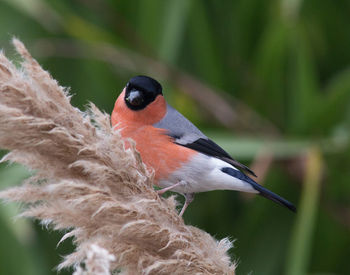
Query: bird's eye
x=135, y=98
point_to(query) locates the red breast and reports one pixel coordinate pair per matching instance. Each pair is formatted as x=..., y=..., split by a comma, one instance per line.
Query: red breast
x=156, y=148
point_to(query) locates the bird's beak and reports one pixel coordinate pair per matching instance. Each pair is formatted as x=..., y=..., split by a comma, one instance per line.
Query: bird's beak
x=135, y=98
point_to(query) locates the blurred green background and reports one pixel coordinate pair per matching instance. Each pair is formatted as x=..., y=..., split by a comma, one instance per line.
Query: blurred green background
x=268, y=80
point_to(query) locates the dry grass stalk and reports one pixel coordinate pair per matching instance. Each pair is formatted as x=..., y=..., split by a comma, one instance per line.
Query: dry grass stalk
x=88, y=183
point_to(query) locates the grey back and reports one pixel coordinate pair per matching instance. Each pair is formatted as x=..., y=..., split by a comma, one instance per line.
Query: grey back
x=179, y=127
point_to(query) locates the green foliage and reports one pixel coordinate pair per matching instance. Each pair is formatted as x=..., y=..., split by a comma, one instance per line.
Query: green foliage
x=288, y=60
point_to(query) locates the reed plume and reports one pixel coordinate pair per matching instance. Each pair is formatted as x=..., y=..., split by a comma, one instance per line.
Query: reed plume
x=87, y=183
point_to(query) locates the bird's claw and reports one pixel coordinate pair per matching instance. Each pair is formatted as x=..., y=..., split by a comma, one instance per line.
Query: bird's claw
x=169, y=188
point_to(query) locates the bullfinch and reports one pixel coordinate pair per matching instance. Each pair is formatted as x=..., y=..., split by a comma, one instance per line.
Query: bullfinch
x=184, y=159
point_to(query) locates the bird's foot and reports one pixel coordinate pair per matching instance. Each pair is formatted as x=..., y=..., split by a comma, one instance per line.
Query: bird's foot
x=163, y=190
x=188, y=199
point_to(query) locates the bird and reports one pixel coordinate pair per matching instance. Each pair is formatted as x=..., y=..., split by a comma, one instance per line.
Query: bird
x=184, y=160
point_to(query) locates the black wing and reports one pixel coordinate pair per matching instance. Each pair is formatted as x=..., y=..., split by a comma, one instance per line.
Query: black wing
x=210, y=148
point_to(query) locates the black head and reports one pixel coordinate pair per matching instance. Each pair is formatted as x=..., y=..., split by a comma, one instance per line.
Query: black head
x=141, y=91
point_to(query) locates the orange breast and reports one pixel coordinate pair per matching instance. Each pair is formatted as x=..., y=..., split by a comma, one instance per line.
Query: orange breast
x=156, y=148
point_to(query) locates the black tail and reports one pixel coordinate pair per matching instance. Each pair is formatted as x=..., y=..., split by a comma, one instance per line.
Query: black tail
x=262, y=191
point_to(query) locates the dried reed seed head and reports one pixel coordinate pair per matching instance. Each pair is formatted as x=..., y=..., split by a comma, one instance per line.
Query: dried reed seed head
x=88, y=183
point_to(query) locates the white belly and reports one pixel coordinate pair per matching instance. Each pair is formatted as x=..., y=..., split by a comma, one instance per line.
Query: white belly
x=203, y=173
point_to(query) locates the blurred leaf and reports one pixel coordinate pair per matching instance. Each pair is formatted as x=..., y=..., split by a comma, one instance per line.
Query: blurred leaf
x=270, y=67
x=79, y=28
x=38, y=10
x=246, y=148
x=150, y=14
x=290, y=9
x=16, y=235
x=204, y=52
x=11, y=175
x=301, y=240
x=334, y=105
x=303, y=83
x=15, y=257
x=175, y=17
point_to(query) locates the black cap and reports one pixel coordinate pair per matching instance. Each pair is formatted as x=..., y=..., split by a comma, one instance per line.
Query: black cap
x=146, y=84
x=141, y=91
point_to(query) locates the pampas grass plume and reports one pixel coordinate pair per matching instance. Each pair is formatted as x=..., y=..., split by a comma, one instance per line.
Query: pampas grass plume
x=88, y=184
